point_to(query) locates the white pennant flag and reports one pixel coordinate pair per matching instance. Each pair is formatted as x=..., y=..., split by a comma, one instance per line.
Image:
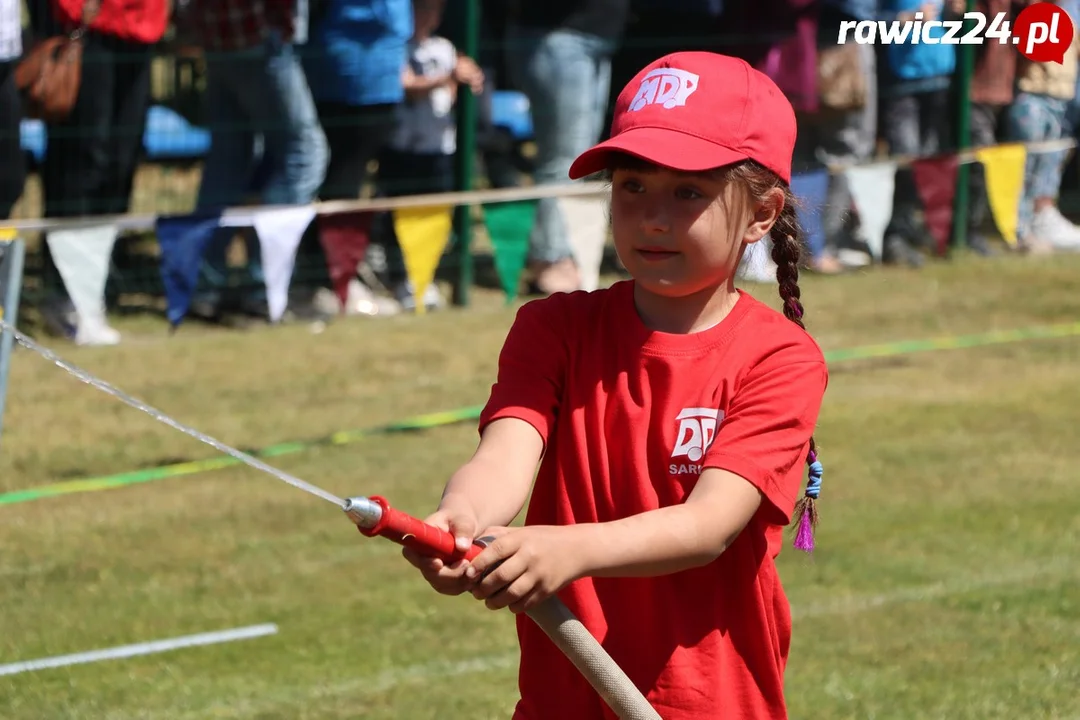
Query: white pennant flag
x=279, y=231
x=587, y=226
x=82, y=257
x=872, y=192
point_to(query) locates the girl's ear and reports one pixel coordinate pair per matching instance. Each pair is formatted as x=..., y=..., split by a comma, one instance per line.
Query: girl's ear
x=764, y=213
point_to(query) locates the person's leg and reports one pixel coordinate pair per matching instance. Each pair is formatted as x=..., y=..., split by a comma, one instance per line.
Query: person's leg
x=131, y=98
x=294, y=142
x=77, y=159
x=228, y=166
x=1025, y=121
x=983, y=133
x=355, y=134
x=901, y=130
x=76, y=163
x=13, y=167
x=559, y=71
x=935, y=125
x=1048, y=223
x=405, y=173
x=853, y=142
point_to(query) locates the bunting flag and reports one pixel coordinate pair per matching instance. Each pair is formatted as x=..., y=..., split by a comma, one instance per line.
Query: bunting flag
x=872, y=188
x=182, y=239
x=82, y=257
x=422, y=234
x=1004, y=170
x=279, y=231
x=587, y=226
x=810, y=189
x=935, y=182
x=344, y=238
x=7, y=233
x=509, y=225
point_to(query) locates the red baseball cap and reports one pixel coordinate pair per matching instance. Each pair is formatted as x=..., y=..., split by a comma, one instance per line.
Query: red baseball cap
x=695, y=111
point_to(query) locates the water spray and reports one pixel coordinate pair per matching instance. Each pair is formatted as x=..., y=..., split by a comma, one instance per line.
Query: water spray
x=373, y=516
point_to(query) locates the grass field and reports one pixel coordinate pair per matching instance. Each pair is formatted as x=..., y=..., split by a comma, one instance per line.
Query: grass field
x=946, y=583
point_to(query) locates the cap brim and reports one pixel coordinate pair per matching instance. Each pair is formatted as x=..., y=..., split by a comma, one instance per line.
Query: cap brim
x=660, y=146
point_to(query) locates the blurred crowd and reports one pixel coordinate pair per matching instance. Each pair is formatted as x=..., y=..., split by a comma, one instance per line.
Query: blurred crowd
x=315, y=99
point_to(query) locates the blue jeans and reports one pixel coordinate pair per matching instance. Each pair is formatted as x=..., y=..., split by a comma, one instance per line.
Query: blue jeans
x=258, y=97
x=1034, y=118
x=567, y=77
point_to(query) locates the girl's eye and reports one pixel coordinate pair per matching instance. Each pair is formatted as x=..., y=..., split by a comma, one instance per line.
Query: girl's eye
x=685, y=192
x=631, y=185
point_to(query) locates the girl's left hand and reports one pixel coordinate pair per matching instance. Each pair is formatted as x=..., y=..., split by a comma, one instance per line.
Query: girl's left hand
x=536, y=562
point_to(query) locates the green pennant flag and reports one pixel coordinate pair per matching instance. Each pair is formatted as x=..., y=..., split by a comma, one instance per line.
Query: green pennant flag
x=509, y=225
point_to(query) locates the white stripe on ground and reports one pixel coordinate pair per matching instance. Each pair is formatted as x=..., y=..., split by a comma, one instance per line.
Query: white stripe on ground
x=147, y=648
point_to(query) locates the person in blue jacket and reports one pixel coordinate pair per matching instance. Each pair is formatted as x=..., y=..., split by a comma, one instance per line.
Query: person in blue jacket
x=357, y=49
x=915, y=82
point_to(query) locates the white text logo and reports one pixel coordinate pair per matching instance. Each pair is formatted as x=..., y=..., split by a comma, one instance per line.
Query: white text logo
x=697, y=428
x=665, y=86
x=1042, y=31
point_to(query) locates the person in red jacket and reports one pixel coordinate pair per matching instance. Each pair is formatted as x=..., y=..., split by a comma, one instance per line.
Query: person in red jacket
x=92, y=155
x=671, y=416
x=91, y=158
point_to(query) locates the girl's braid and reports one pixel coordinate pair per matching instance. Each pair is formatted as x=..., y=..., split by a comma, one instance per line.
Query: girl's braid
x=786, y=252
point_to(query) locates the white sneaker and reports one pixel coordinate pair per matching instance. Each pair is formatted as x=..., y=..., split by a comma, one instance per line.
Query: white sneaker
x=406, y=295
x=1053, y=227
x=362, y=301
x=96, y=333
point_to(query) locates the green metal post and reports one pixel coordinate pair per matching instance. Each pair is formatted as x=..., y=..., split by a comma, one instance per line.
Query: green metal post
x=466, y=153
x=965, y=68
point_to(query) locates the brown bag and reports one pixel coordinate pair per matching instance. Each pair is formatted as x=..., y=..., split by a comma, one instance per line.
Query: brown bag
x=842, y=82
x=49, y=75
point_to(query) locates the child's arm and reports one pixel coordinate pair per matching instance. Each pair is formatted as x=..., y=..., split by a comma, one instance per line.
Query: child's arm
x=493, y=486
x=417, y=86
x=490, y=489
x=754, y=466
x=674, y=538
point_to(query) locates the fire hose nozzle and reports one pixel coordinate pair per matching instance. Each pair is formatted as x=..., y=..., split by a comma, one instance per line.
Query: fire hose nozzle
x=363, y=511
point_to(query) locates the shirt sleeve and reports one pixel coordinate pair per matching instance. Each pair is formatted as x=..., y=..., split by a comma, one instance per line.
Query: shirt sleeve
x=765, y=435
x=532, y=367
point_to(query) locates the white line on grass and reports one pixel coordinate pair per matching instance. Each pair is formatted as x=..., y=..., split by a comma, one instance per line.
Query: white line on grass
x=1055, y=569
x=147, y=648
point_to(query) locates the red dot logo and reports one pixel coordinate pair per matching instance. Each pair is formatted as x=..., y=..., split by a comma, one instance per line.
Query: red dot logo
x=1043, y=32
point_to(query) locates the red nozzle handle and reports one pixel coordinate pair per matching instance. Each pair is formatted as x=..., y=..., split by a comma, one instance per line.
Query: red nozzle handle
x=425, y=539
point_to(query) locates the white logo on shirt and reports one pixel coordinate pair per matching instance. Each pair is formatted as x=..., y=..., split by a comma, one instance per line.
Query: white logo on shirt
x=697, y=429
x=664, y=86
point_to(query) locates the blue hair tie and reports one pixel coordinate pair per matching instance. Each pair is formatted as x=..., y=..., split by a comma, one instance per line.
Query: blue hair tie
x=813, y=483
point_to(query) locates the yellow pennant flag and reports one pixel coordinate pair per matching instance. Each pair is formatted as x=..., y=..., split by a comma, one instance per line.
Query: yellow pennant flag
x=422, y=234
x=7, y=233
x=1004, y=169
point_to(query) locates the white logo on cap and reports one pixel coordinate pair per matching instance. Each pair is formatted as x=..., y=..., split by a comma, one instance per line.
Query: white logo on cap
x=665, y=86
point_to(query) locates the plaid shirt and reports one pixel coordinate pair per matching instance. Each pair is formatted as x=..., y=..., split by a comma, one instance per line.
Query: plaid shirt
x=224, y=25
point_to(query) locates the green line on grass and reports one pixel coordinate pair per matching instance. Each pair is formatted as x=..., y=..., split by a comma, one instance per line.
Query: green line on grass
x=449, y=417
x=344, y=437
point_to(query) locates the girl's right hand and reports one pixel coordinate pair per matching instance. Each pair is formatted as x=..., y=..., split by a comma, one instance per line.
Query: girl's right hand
x=447, y=579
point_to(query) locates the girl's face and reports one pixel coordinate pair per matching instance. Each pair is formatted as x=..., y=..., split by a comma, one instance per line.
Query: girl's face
x=679, y=233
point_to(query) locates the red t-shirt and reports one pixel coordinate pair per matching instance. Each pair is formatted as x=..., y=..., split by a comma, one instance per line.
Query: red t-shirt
x=629, y=418
x=142, y=21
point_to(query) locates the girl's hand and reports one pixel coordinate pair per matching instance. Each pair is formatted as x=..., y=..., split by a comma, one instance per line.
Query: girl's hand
x=447, y=579
x=533, y=563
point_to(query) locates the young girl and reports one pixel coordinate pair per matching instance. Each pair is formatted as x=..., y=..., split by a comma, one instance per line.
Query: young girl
x=673, y=414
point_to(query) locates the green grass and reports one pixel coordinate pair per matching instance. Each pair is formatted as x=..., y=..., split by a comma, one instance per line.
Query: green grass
x=945, y=584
